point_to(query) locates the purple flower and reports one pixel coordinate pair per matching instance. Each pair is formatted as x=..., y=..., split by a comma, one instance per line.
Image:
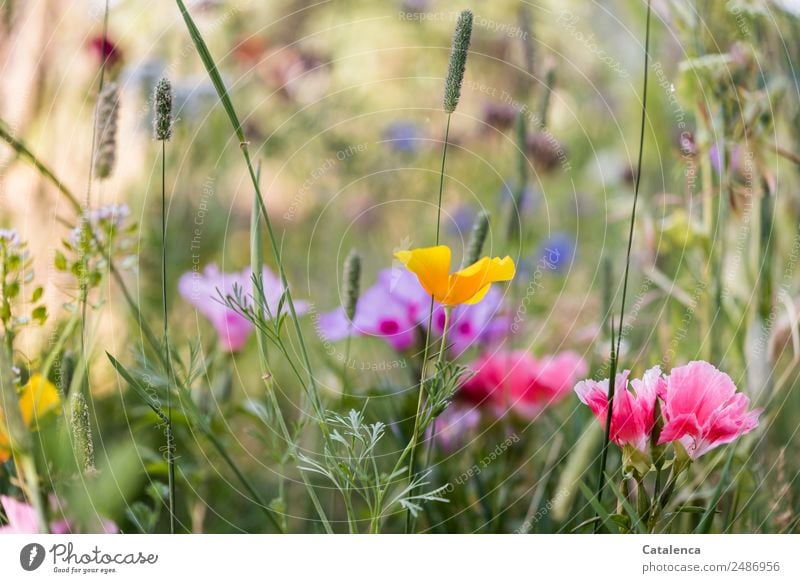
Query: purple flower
x=10, y=237
x=203, y=291
x=479, y=323
x=396, y=307
x=403, y=136
x=508, y=191
x=453, y=426
x=391, y=309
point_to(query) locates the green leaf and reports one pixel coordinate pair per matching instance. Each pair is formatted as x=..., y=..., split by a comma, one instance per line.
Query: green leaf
x=213, y=72
x=60, y=261
x=37, y=294
x=39, y=314
x=136, y=386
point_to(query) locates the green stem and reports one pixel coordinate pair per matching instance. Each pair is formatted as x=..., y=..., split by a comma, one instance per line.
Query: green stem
x=348, y=343
x=420, y=394
x=615, y=351
x=28, y=467
x=167, y=355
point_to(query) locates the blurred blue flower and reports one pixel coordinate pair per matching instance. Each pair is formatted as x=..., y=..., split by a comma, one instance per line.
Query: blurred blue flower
x=557, y=251
x=508, y=191
x=460, y=219
x=403, y=136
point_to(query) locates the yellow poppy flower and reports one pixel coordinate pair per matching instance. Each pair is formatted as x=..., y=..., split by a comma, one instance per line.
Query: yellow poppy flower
x=37, y=398
x=431, y=265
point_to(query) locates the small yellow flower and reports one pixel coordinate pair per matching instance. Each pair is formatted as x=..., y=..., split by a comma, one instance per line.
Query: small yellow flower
x=431, y=265
x=36, y=399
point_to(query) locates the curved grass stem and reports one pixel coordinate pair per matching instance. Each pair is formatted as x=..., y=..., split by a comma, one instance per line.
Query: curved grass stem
x=615, y=349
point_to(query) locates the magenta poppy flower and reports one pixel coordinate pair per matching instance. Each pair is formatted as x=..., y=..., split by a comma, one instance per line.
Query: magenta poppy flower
x=702, y=409
x=518, y=381
x=391, y=309
x=396, y=309
x=205, y=289
x=633, y=413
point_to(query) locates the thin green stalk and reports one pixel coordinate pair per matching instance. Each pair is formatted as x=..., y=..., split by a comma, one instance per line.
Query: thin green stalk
x=717, y=318
x=256, y=266
x=243, y=479
x=86, y=226
x=615, y=351
x=227, y=104
x=406, y=451
x=420, y=395
x=167, y=355
x=347, y=346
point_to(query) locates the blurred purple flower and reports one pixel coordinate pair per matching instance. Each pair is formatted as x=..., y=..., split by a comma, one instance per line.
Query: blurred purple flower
x=453, y=426
x=479, y=323
x=461, y=219
x=203, y=291
x=397, y=306
x=403, y=136
x=391, y=309
x=508, y=190
x=734, y=157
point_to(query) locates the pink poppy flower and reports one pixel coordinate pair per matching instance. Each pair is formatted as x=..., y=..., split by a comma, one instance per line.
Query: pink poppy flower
x=21, y=517
x=702, y=409
x=22, y=520
x=518, y=381
x=203, y=291
x=633, y=413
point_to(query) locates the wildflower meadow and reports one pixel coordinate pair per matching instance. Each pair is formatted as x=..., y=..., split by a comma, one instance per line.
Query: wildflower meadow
x=404, y=267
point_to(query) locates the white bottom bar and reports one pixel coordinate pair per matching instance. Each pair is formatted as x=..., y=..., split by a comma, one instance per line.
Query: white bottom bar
x=389, y=558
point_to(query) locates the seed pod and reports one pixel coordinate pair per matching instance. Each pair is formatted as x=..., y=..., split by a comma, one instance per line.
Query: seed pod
x=458, y=61
x=82, y=433
x=480, y=229
x=106, y=136
x=352, y=281
x=162, y=100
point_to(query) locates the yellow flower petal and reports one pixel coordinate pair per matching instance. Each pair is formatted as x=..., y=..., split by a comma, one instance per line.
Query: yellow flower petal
x=39, y=396
x=431, y=265
x=469, y=285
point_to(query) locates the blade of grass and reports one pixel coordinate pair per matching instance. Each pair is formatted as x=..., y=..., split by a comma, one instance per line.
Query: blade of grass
x=637, y=183
x=707, y=520
x=222, y=92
